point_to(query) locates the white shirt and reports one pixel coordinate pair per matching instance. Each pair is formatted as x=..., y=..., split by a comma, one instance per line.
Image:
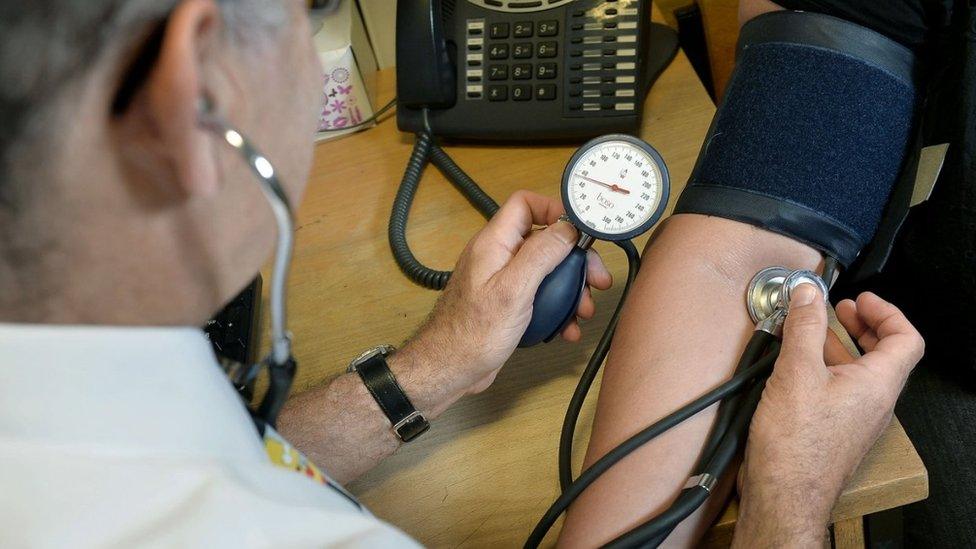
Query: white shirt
x=121, y=437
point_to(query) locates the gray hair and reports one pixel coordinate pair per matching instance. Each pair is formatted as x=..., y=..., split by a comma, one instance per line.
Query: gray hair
x=48, y=45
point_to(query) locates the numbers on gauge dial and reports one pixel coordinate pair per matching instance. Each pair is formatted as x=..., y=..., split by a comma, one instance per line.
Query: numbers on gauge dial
x=615, y=187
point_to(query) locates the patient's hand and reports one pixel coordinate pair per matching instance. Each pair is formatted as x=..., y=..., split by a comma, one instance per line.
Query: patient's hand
x=820, y=412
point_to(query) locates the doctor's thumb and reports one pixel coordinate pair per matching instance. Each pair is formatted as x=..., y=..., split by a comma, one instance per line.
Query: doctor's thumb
x=805, y=330
x=542, y=252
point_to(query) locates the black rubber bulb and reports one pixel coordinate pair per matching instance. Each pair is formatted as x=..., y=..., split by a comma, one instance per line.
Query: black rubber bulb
x=557, y=299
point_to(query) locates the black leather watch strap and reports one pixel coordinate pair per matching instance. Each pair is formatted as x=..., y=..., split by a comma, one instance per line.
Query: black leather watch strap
x=408, y=422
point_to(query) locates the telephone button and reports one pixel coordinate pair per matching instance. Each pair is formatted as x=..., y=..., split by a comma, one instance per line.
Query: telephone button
x=546, y=49
x=522, y=71
x=548, y=28
x=522, y=29
x=545, y=71
x=524, y=5
x=497, y=92
x=521, y=92
x=545, y=92
x=498, y=30
x=498, y=51
x=497, y=72
x=522, y=50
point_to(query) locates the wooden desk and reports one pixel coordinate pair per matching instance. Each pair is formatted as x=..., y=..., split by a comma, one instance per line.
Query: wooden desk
x=486, y=471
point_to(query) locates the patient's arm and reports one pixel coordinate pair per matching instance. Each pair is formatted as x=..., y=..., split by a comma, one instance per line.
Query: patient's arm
x=680, y=334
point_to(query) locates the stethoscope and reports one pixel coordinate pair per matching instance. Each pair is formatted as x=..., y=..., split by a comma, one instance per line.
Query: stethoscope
x=279, y=362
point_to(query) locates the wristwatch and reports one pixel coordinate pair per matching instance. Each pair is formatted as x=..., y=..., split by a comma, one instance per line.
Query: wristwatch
x=408, y=423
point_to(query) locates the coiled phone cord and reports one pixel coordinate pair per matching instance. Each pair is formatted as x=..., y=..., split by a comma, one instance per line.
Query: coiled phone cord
x=425, y=151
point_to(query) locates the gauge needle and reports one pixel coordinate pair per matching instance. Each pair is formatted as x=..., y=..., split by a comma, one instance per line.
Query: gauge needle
x=614, y=188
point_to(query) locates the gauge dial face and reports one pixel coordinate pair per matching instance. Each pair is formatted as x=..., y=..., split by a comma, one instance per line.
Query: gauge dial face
x=616, y=188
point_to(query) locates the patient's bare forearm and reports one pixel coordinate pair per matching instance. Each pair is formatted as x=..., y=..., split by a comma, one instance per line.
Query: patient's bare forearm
x=681, y=332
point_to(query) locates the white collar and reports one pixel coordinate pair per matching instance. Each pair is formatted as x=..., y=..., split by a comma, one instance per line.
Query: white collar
x=156, y=391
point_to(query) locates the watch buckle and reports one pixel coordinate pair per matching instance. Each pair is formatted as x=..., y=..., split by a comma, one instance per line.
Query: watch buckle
x=403, y=422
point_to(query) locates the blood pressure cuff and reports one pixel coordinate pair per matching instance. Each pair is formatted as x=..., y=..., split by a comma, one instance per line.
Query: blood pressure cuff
x=812, y=133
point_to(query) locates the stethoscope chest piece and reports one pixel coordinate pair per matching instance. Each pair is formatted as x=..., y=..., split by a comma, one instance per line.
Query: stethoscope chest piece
x=763, y=294
x=769, y=291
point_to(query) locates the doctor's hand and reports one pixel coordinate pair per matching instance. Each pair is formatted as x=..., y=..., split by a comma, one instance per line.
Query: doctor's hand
x=487, y=304
x=820, y=412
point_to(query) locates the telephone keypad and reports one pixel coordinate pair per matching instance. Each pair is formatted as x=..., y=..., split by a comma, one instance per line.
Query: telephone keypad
x=588, y=53
x=498, y=47
x=522, y=50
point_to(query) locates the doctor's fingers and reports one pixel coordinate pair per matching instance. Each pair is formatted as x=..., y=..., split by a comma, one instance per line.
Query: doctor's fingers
x=899, y=346
x=804, y=336
x=516, y=217
x=849, y=317
x=541, y=253
x=597, y=274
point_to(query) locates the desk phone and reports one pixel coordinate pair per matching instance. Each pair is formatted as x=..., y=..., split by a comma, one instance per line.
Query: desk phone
x=517, y=70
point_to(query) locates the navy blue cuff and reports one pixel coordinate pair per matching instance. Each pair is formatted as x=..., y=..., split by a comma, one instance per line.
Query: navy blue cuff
x=773, y=214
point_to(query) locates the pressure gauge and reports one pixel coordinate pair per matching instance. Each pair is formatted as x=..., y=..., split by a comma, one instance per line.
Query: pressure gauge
x=615, y=187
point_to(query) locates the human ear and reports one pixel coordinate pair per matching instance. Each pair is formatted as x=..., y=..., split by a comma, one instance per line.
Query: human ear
x=183, y=77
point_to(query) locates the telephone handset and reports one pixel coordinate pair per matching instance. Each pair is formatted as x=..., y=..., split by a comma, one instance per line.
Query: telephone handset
x=517, y=70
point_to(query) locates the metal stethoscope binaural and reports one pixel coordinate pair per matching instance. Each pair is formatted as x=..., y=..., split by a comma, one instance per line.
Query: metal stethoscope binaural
x=280, y=363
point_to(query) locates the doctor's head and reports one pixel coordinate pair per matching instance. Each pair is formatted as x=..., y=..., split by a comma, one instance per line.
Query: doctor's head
x=115, y=205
